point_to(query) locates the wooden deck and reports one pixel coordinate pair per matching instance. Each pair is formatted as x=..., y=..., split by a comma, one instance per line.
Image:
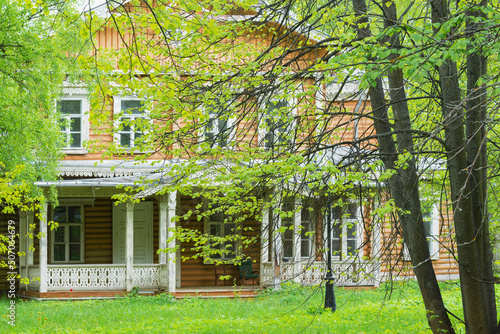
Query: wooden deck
x=199, y=292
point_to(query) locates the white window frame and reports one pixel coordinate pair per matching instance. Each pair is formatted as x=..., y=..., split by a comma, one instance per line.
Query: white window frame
x=263, y=128
x=344, y=221
x=297, y=215
x=309, y=238
x=432, y=238
x=84, y=124
x=117, y=112
x=66, y=235
x=214, y=116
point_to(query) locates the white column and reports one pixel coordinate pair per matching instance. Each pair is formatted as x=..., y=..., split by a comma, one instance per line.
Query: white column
x=171, y=257
x=43, y=248
x=129, y=245
x=277, y=248
x=376, y=251
x=163, y=229
x=23, y=218
x=30, y=219
x=264, y=237
x=297, y=220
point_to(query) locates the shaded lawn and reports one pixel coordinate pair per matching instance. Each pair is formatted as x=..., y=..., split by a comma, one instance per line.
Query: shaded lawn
x=290, y=310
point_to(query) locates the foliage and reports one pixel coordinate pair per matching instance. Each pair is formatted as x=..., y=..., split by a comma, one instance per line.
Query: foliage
x=359, y=312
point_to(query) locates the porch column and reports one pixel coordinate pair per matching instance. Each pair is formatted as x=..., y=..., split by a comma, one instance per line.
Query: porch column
x=23, y=217
x=163, y=228
x=30, y=219
x=297, y=220
x=277, y=248
x=129, y=245
x=376, y=252
x=264, y=242
x=171, y=256
x=43, y=248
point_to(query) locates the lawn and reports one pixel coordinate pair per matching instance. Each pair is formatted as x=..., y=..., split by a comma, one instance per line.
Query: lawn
x=289, y=310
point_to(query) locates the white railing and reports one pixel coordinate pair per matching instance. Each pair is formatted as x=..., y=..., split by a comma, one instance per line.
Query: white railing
x=348, y=273
x=96, y=277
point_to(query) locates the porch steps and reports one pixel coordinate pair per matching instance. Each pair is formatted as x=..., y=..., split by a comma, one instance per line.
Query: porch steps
x=198, y=292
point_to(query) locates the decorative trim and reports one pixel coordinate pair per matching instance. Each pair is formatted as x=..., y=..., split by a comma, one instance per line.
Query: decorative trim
x=75, y=91
x=103, y=172
x=88, y=192
x=76, y=201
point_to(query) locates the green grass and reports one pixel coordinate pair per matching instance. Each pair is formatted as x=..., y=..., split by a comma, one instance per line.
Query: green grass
x=290, y=310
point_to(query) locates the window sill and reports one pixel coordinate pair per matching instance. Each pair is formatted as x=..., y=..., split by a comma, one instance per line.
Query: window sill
x=80, y=151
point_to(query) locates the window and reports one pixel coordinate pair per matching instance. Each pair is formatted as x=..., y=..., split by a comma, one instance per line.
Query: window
x=222, y=235
x=306, y=226
x=73, y=123
x=347, y=230
x=430, y=217
x=67, y=239
x=132, y=121
x=276, y=125
x=217, y=131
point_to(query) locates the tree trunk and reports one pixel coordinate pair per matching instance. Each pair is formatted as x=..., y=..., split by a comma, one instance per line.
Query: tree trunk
x=474, y=304
x=404, y=185
x=477, y=159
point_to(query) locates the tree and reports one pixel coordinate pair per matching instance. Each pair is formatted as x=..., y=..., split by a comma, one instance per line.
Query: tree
x=268, y=87
x=36, y=51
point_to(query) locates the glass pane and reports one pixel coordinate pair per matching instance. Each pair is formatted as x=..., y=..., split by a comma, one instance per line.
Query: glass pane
x=69, y=106
x=60, y=214
x=74, y=214
x=336, y=247
x=59, y=252
x=336, y=213
x=76, y=140
x=287, y=248
x=229, y=229
x=74, y=252
x=132, y=106
x=352, y=230
x=75, y=233
x=76, y=124
x=305, y=250
x=427, y=227
x=351, y=246
x=64, y=123
x=352, y=211
x=59, y=234
x=215, y=230
x=125, y=124
x=137, y=138
x=125, y=139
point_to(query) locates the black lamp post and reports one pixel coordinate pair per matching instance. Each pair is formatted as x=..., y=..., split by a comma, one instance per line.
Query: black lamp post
x=330, y=292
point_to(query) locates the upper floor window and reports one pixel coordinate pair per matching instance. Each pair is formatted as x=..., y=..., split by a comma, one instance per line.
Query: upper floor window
x=73, y=123
x=131, y=121
x=67, y=240
x=277, y=125
x=347, y=230
x=217, y=131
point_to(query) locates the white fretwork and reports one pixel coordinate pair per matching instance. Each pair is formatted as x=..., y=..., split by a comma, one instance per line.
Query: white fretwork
x=345, y=273
x=97, y=277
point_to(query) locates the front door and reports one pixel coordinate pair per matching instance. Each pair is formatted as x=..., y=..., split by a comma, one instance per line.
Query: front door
x=143, y=233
